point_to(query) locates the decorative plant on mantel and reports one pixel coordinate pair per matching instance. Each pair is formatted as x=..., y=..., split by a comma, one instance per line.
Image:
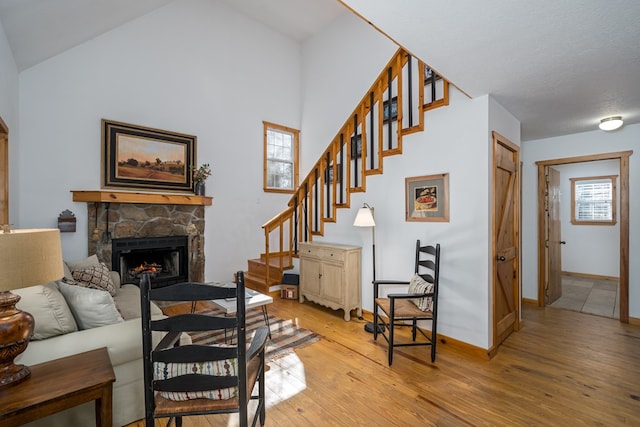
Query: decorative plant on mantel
x=199, y=176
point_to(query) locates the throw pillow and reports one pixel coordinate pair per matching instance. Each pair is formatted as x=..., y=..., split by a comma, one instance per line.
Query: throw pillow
x=96, y=277
x=90, y=307
x=225, y=367
x=418, y=285
x=50, y=311
x=83, y=263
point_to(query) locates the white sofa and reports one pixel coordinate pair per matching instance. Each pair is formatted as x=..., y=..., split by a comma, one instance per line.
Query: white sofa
x=122, y=339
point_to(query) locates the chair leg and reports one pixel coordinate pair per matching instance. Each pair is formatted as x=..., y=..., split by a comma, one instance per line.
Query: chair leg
x=375, y=322
x=434, y=340
x=413, y=329
x=261, y=400
x=391, y=332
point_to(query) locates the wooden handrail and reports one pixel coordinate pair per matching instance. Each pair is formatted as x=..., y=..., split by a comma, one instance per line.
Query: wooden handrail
x=342, y=168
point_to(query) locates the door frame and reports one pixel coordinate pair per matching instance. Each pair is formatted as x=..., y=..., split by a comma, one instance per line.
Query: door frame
x=623, y=157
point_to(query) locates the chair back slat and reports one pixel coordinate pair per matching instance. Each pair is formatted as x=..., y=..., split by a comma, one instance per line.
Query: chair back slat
x=191, y=291
x=193, y=323
x=194, y=353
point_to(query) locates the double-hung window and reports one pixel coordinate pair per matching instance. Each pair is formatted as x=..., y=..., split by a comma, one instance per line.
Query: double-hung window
x=280, y=158
x=593, y=200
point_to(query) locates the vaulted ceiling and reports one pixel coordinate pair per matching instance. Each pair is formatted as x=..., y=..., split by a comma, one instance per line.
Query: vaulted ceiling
x=558, y=66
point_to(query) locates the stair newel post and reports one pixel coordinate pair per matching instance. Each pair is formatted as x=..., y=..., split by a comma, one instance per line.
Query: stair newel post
x=296, y=212
x=266, y=255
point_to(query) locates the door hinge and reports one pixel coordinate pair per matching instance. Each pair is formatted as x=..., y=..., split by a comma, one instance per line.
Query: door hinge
x=546, y=243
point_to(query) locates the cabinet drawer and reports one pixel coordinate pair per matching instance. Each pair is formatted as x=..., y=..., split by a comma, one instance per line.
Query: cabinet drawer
x=332, y=255
x=310, y=251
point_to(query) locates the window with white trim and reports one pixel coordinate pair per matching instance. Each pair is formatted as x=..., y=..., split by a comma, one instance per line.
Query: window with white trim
x=280, y=158
x=593, y=200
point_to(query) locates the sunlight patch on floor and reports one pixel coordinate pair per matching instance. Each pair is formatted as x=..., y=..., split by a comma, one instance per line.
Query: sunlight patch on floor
x=284, y=379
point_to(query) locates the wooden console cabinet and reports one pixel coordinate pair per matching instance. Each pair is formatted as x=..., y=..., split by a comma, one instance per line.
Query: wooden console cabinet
x=330, y=275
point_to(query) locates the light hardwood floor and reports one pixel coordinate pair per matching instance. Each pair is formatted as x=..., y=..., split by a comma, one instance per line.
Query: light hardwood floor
x=562, y=369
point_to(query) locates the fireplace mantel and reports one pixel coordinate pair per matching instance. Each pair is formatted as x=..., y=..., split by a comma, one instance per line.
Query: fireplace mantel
x=110, y=196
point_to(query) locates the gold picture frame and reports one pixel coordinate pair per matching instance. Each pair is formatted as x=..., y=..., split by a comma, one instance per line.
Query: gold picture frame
x=427, y=198
x=145, y=158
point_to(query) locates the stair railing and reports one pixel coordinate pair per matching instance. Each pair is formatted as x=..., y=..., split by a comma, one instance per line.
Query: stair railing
x=373, y=131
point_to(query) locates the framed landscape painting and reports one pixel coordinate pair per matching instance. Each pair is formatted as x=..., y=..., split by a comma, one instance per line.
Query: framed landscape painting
x=145, y=158
x=427, y=198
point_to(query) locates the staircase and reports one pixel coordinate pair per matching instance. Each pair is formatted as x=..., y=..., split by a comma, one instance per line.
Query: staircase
x=393, y=107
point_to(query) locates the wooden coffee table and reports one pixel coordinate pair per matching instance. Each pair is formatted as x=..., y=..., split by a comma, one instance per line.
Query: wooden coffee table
x=58, y=385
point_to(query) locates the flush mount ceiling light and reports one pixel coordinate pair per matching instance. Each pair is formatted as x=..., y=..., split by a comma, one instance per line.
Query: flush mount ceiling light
x=610, y=123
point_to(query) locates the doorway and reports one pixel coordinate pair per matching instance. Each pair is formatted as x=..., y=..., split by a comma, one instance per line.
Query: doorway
x=543, y=253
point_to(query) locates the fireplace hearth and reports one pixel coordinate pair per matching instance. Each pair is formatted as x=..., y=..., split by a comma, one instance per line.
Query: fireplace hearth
x=164, y=258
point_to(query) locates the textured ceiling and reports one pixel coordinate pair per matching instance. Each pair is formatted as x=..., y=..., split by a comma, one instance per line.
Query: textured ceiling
x=558, y=66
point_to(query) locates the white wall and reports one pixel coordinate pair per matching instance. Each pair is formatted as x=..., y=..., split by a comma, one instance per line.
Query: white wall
x=339, y=65
x=590, y=249
x=196, y=67
x=595, y=142
x=9, y=113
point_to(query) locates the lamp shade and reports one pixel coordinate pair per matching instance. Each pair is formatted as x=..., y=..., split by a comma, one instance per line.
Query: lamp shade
x=364, y=218
x=30, y=257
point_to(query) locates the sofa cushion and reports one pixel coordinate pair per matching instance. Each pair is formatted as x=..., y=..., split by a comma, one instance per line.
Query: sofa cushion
x=79, y=264
x=90, y=307
x=95, y=277
x=49, y=309
x=128, y=302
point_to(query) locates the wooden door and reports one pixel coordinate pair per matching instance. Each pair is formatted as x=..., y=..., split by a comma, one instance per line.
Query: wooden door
x=554, y=278
x=505, y=230
x=4, y=173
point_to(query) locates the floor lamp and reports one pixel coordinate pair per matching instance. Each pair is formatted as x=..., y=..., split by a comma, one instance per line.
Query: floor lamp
x=364, y=218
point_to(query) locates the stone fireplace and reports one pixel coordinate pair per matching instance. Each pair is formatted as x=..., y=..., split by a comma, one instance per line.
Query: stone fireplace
x=122, y=215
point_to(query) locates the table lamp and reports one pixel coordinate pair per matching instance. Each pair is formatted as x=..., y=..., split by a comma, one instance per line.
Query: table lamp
x=27, y=258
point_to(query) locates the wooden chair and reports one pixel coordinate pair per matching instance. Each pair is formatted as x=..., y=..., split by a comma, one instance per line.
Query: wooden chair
x=184, y=380
x=402, y=309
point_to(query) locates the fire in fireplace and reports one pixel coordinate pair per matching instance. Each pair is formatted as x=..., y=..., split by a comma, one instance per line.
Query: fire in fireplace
x=165, y=258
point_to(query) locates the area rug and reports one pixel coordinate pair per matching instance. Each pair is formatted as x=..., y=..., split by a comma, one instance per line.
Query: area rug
x=285, y=334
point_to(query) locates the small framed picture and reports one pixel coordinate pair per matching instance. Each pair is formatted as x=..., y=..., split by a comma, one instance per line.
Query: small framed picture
x=427, y=198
